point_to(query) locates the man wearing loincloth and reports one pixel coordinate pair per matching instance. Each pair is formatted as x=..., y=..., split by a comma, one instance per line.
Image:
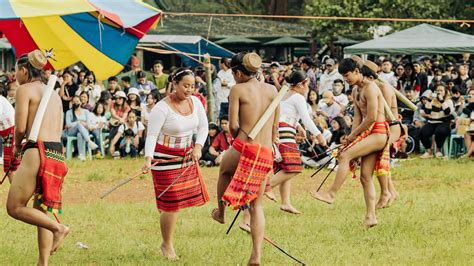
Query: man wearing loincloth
x=42, y=168
x=367, y=141
x=248, y=100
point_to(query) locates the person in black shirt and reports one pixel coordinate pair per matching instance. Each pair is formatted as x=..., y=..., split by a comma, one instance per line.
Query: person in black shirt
x=68, y=90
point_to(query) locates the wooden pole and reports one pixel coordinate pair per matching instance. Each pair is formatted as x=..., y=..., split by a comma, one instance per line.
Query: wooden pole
x=210, y=93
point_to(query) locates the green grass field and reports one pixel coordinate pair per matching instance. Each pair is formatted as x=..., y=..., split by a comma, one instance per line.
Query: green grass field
x=431, y=223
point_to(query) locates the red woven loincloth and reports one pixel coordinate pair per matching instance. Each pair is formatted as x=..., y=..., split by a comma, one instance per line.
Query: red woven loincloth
x=51, y=174
x=188, y=191
x=382, y=164
x=255, y=163
x=9, y=163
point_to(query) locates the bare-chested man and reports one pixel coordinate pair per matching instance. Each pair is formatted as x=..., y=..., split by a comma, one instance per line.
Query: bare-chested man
x=248, y=100
x=42, y=168
x=366, y=141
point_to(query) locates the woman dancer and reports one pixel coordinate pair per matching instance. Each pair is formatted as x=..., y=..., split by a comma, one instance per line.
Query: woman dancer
x=176, y=176
x=293, y=107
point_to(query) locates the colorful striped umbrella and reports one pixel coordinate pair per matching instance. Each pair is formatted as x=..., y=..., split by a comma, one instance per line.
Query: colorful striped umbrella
x=102, y=34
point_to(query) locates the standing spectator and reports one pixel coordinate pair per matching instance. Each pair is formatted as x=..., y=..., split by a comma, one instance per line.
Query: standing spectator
x=222, y=142
x=327, y=107
x=90, y=86
x=84, y=97
x=143, y=85
x=463, y=81
x=469, y=135
x=80, y=77
x=274, y=78
x=439, y=114
x=307, y=66
x=134, y=101
x=76, y=125
x=449, y=71
x=399, y=70
x=421, y=79
x=118, y=112
x=159, y=78
x=207, y=158
x=437, y=79
x=151, y=100
x=387, y=74
x=329, y=76
x=126, y=85
x=226, y=81
x=112, y=84
x=67, y=91
x=338, y=90
x=137, y=128
x=408, y=79
x=97, y=123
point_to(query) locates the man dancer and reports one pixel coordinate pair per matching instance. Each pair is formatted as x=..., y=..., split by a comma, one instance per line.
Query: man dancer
x=249, y=99
x=42, y=169
x=366, y=141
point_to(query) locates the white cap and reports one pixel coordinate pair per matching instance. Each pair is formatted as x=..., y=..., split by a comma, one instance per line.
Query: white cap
x=120, y=94
x=133, y=91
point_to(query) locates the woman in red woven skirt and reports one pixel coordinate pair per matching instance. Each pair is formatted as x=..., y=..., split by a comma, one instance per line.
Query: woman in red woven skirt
x=172, y=156
x=293, y=107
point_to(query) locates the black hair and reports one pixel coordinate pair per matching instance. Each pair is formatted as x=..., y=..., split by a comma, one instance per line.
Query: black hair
x=274, y=65
x=307, y=98
x=237, y=63
x=386, y=60
x=342, y=122
x=90, y=73
x=32, y=72
x=179, y=74
x=155, y=94
x=141, y=74
x=128, y=133
x=126, y=79
x=85, y=94
x=339, y=81
x=214, y=126
x=455, y=89
x=308, y=61
x=156, y=62
x=97, y=106
x=347, y=65
x=225, y=117
x=113, y=78
x=296, y=77
x=134, y=112
x=105, y=95
x=225, y=61
x=367, y=72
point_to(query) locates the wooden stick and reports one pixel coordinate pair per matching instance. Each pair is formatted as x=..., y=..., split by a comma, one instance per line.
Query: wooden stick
x=42, y=108
x=175, y=180
x=400, y=96
x=268, y=112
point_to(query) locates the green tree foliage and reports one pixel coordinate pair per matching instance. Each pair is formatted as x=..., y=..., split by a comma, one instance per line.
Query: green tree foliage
x=328, y=30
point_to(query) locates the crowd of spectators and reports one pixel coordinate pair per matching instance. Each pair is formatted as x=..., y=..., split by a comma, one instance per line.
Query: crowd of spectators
x=111, y=117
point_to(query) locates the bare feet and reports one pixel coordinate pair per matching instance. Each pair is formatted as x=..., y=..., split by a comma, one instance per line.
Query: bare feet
x=324, y=197
x=245, y=227
x=58, y=237
x=393, y=197
x=271, y=195
x=289, y=208
x=216, y=215
x=168, y=252
x=383, y=200
x=370, y=222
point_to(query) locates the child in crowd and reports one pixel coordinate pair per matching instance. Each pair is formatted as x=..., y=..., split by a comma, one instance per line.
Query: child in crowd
x=127, y=145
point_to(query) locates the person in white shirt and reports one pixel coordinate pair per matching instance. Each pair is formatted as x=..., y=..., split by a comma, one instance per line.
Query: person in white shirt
x=387, y=74
x=329, y=76
x=169, y=144
x=293, y=107
x=7, y=133
x=90, y=86
x=339, y=96
x=97, y=122
x=328, y=108
x=137, y=128
x=227, y=82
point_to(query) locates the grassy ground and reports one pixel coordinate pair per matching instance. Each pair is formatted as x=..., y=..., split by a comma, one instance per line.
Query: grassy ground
x=431, y=223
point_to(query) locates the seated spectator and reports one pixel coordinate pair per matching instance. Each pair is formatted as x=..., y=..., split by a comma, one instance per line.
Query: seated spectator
x=463, y=81
x=137, y=129
x=348, y=119
x=338, y=90
x=458, y=100
x=143, y=85
x=327, y=107
x=207, y=158
x=201, y=98
x=97, y=123
x=151, y=100
x=404, y=110
x=313, y=102
x=128, y=144
x=349, y=109
x=112, y=85
x=106, y=99
x=76, y=125
x=274, y=78
x=118, y=113
x=469, y=135
x=439, y=113
x=84, y=97
x=339, y=129
x=134, y=101
x=126, y=84
x=222, y=141
x=323, y=126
